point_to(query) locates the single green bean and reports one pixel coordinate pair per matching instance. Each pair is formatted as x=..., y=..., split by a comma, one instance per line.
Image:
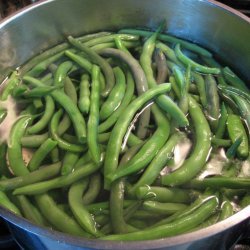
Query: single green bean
x=34, y=141
x=200, y=83
x=194, y=65
x=41, y=154
x=222, y=122
x=14, y=151
x=213, y=102
x=125, y=102
x=69, y=162
x=6, y=203
x=192, y=166
x=11, y=83
x=234, y=80
x=163, y=194
x=93, y=120
x=43, y=122
x=61, y=72
x=42, y=174
x=62, y=181
x=57, y=217
x=220, y=182
x=42, y=66
x=93, y=190
x=236, y=130
x=116, y=95
x=81, y=214
x=84, y=96
x=163, y=208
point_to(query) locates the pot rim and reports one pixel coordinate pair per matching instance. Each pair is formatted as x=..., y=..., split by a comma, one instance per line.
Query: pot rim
x=23, y=223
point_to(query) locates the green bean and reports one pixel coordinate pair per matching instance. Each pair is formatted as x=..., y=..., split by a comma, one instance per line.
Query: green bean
x=12, y=82
x=133, y=140
x=59, y=219
x=61, y=72
x=220, y=182
x=62, y=143
x=116, y=95
x=43, y=173
x=14, y=151
x=169, y=53
x=120, y=45
x=42, y=66
x=226, y=210
x=37, y=92
x=194, y=65
x=197, y=159
x=140, y=82
x=149, y=149
x=162, y=69
x=235, y=130
x=62, y=181
x=200, y=83
x=231, y=152
x=34, y=141
x=178, y=226
x=70, y=90
x=29, y=211
x=105, y=67
x=163, y=208
x=64, y=124
x=116, y=200
x=69, y=162
x=202, y=199
x=164, y=102
x=38, y=103
x=221, y=142
x=103, y=206
x=41, y=154
x=110, y=38
x=235, y=91
x=163, y=194
x=55, y=155
x=115, y=141
x=93, y=36
x=243, y=107
x=126, y=100
x=171, y=39
x=4, y=171
x=81, y=214
x=222, y=122
x=93, y=190
x=43, y=122
x=213, y=105
x=84, y=96
x=234, y=80
x=6, y=203
x=70, y=108
x=93, y=121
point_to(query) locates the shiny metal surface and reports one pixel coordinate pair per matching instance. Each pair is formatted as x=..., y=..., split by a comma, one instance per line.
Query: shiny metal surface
x=223, y=31
x=48, y=22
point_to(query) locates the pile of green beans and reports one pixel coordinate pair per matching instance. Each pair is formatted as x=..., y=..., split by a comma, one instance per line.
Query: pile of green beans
x=128, y=136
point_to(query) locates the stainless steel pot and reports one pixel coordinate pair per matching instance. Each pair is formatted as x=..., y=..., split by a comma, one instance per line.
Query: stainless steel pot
x=213, y=25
